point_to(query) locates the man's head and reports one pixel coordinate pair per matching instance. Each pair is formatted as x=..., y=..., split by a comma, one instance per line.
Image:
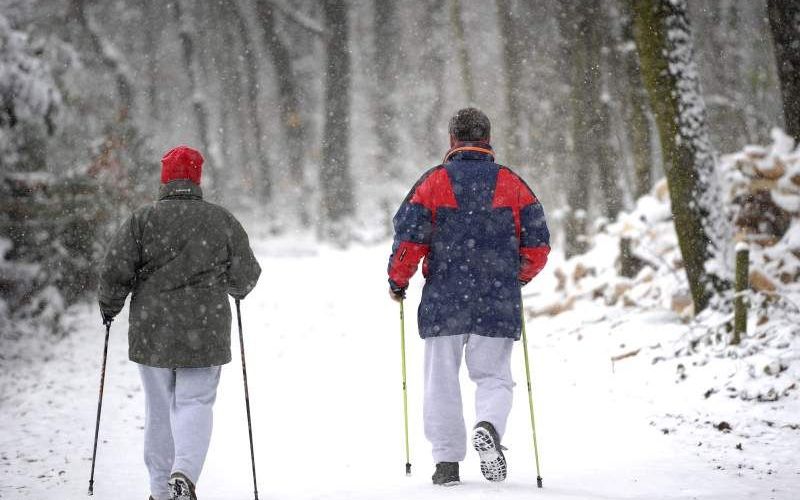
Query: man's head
x=182, y=162
x=469, y=125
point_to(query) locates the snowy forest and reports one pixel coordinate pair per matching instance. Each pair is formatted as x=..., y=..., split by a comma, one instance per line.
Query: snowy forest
x=662, y=138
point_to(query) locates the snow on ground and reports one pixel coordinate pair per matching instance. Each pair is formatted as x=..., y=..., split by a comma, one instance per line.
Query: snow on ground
x=323, y=351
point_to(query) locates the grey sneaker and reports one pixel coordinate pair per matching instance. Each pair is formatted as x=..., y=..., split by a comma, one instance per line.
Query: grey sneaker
x=487, y=444
x=446, y=474
x=181, y=487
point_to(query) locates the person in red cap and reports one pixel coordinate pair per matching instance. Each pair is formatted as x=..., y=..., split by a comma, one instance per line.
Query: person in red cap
x=179, y=258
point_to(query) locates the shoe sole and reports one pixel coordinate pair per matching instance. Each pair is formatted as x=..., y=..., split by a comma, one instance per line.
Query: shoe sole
x=450, y=483
x=493, y=462
x=180, y=489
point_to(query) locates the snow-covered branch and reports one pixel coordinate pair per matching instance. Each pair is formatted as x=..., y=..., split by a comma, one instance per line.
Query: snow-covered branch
x=107, y=54
x=27, y=90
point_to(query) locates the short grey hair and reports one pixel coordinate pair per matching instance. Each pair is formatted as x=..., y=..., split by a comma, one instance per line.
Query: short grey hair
x=470, y=124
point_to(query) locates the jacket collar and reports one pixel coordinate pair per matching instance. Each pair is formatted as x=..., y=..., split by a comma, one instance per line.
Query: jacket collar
x=181, y=189
x=478, y=150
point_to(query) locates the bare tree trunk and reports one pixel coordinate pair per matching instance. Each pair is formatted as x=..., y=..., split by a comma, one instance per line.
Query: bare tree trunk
x=513, y=55
x=335, y=176
x=636, y=109
x=582, y=25
x=576, y=57
x=784, y=21
x=244, y=82
x=253, y=114
x=432, y=66
x=463, y=53
x=290, y=107
x=663, y=39
x=198, y=98
x=727, y=104
x=107, y=55
x=386, y=60
x=152, y=31
x=608, y=169
x=233, y=129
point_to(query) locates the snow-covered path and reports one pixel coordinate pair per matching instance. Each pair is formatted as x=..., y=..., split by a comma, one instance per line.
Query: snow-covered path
x=323, y=355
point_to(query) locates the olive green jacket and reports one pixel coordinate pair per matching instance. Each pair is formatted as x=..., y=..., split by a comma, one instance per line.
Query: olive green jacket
x=179, y=258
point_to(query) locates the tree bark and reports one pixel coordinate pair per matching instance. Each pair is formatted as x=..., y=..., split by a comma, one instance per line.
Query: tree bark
x=663, y=40
x=432, y=67
x=386, y=60
x=289, y=103
x=107, y=55
x=513, y=55
x=607, y=166
x=152, y=31
x=582, y=26
x=784, y=21
x=198, y=97
x=726, y=70
x=262, y=172
x=335, y=177
x=576, y=59
x=234, y=126
x=463, y=53
x=636, y=109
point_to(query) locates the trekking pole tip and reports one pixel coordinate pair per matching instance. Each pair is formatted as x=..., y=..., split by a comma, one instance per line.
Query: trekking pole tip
x=539, y=481
x=91, y=489
x=408, y=469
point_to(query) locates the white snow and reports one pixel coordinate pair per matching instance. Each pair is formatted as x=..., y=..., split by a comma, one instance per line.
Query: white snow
x=322, y=342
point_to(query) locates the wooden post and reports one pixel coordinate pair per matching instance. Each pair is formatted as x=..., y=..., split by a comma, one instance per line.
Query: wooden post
x=741, y=287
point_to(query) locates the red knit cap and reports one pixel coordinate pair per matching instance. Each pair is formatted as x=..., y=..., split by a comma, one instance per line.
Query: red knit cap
x=182, y=162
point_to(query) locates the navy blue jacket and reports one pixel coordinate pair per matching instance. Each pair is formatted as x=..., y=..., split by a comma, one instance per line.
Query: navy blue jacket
x=482, y=234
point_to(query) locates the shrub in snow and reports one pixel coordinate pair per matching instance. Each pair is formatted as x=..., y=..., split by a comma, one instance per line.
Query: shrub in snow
x=50, y=226
x=60, y=200
x=46, y=243
x=29, y=99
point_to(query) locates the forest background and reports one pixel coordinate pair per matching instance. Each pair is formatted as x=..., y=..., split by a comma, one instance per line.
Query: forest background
x=316, y=116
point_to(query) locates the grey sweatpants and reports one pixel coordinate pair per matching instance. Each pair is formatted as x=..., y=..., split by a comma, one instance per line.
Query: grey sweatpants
x=178, y=406
x=489, y=365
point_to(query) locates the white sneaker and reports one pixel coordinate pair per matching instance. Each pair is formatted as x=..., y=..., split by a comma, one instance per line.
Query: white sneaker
x=487, y=444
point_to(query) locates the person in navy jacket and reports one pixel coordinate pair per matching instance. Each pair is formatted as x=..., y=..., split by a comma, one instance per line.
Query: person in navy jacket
x=481, y=235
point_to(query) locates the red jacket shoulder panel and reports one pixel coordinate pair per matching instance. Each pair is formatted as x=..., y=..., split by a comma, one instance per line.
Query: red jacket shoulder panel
x=435, y=191
x=511, y=191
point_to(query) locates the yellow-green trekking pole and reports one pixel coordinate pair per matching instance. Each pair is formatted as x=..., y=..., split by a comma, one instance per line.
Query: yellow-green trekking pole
x=405, y=395
x=530, y=400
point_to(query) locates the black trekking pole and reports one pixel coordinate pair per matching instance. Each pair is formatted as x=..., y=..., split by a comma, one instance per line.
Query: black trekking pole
x=247, y=400
x=99, y=406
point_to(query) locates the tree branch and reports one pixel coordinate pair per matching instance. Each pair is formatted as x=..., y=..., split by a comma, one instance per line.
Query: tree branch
x=299, y=18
